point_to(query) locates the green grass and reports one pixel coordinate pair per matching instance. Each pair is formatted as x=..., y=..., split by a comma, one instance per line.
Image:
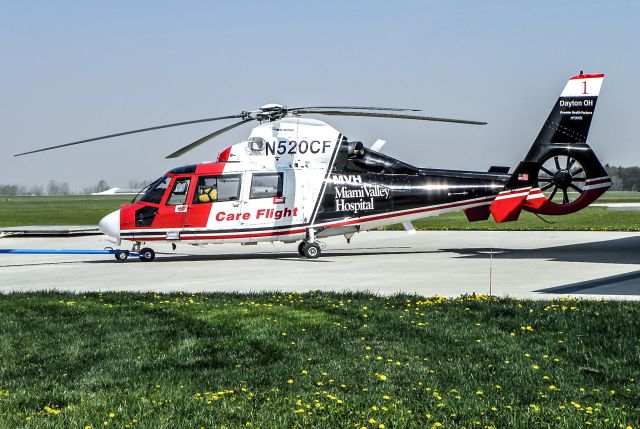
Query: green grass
x=620, y=197
x=88, y=210
x=67, y=210
x=316, y=360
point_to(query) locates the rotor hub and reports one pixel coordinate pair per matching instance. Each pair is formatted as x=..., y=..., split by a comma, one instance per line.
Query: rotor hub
x=562, y=178
x=271, y=112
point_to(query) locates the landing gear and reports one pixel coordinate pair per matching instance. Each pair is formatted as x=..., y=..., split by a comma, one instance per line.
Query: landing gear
x=121, y=256
x=147, y=255
x=311, y=250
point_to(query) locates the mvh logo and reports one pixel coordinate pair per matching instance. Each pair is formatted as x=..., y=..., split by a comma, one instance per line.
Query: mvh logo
x=346, y=178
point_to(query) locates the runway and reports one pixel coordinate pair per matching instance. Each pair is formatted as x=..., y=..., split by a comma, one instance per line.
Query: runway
x=446, y=263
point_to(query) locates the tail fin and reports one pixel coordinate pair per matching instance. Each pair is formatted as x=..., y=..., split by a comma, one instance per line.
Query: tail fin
x=560, y=174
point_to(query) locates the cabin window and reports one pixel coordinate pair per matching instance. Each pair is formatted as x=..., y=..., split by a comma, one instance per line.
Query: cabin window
x=156, y=190
x=179, y=192
x=266, y=185
x=213, y=189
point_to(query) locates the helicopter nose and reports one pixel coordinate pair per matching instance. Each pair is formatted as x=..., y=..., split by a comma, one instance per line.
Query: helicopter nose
x=110, y=225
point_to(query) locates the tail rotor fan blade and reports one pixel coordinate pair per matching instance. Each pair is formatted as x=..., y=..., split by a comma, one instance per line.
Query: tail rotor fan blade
x=557, y=161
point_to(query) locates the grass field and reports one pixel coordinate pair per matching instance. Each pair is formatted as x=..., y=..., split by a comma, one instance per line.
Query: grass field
x=88, y=210
x=67, y=210
x=316, y=360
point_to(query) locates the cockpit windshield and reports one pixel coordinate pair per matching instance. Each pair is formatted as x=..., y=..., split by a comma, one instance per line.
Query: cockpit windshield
x=156, y=190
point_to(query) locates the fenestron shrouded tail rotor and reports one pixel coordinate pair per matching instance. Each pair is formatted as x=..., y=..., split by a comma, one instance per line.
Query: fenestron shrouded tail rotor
x=562, y=179
x=269, y=113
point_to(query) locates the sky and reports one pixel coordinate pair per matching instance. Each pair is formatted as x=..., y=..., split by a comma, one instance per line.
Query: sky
x=75, y=69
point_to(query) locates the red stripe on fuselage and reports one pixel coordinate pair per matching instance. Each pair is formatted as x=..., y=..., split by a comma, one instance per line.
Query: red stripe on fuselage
x=212, y=168
x=328, y=225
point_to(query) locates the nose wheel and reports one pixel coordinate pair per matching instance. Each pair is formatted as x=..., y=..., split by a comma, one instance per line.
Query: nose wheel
x=147, y=255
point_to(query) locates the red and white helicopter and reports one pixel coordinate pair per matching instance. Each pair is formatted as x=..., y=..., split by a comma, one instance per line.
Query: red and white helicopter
x=299, y=179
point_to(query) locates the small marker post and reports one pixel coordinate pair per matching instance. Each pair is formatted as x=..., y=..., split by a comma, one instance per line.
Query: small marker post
x=490, y=270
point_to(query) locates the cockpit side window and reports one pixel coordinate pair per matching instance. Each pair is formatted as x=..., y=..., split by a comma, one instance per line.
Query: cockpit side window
x=213, y=189
x=179, y=192
x=156, y=190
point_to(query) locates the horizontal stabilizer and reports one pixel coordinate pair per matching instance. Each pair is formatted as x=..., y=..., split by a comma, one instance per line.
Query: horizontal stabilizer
x=499, y=169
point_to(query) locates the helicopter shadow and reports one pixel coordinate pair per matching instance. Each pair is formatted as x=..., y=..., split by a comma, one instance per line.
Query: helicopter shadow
x=288, y=256
x=624, y=251
x=616, y=251
x=622, y=284
x=162, y=257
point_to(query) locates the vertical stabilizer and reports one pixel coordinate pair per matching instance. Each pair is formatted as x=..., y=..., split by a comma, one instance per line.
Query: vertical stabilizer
x=560, y=174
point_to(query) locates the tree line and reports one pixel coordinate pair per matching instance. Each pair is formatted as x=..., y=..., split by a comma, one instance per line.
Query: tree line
x=624, y=178
x=55, y=188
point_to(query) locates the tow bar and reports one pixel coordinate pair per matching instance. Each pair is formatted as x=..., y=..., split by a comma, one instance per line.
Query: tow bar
x=145, y=255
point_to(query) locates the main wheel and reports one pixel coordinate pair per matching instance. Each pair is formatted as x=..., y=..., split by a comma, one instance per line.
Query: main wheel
x=301, y=248
x=121, y=255
x=311, y=250
x=147, y=255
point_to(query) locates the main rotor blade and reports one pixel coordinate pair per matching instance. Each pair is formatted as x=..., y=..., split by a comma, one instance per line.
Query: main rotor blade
x=177, y=124
x=386, y=115
x=393, y=109
x=206, y=138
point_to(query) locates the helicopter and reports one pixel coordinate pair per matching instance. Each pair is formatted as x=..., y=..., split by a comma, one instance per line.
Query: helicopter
x=298, y=179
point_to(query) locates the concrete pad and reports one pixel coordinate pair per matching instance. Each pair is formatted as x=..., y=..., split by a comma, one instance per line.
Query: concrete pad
x=447, y=263
x=619, y=206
